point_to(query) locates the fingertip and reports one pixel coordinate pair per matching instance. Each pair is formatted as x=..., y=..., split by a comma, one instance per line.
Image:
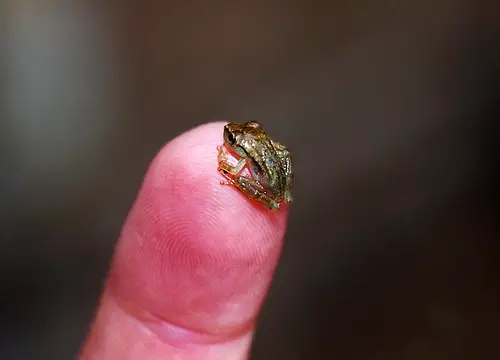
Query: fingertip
x=193, y=263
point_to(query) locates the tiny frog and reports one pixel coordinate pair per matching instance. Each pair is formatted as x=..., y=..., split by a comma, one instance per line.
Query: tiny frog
x=268, y=161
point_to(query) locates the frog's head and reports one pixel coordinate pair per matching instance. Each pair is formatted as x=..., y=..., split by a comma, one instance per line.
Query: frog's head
x=238, y=136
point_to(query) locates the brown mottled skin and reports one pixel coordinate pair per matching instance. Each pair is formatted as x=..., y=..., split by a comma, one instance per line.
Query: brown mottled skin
x=269, y=162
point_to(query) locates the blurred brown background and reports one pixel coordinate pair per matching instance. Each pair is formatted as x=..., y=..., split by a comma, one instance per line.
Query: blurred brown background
x=390, y=107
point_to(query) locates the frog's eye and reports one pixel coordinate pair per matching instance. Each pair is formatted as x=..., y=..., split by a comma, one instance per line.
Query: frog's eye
x=229, y=136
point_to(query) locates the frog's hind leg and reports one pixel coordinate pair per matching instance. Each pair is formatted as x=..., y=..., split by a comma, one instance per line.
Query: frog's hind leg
x=254, y=190
x=286, y=159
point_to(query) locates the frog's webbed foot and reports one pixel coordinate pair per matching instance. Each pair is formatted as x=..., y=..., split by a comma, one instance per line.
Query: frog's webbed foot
x=254, y=190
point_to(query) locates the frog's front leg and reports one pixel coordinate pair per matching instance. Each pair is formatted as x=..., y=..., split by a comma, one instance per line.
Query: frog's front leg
x=254, y=190
x=226, y=169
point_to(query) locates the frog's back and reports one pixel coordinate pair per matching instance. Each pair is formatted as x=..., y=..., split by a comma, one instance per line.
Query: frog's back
x=265, y=164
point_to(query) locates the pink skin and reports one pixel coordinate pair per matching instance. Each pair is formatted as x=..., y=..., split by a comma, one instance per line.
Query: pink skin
x=193, y=264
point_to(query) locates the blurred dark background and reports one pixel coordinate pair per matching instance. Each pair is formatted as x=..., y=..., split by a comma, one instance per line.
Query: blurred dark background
x=391, y=110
